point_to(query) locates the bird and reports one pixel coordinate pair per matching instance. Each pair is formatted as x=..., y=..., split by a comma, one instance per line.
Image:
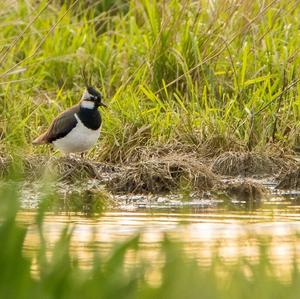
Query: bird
x=76, y=129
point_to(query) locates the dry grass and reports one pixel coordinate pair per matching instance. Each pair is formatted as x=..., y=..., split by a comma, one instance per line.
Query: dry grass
x=63, y=168
x=165, y=174
x=69, y=169
x=250, y=164
x=217, y=144
x=138, y=153
x=159, y=169
x=290, y=180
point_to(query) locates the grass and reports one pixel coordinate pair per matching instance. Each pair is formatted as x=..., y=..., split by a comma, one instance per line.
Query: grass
x=207, y=76
x=215, y=76
x=51, y=271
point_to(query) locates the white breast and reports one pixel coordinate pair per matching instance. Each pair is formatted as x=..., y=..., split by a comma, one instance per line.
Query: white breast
x=80, y=139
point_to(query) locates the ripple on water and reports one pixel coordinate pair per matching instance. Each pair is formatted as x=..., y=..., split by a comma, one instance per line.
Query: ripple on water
x=200, y=221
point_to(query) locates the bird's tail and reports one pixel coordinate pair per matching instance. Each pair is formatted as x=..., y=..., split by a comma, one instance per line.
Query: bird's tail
x=39, y=140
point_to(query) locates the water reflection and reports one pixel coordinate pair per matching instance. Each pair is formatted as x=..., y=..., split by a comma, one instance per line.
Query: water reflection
x=207, y=226
x=235, y=234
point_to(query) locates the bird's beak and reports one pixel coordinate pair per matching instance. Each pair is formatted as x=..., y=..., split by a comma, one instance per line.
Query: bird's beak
x=103, y=104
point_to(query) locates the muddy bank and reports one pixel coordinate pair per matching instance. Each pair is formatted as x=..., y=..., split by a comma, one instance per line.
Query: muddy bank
x=165, y=171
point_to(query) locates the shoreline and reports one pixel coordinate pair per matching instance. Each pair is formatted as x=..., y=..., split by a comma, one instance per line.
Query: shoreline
x=239, y=175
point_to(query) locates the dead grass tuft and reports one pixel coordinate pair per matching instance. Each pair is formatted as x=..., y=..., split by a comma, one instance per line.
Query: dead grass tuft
x=290, y=180
x=218, y=144
x=65, y=169
x=70, y=169
x=34, y=166
x=165, y=174
x=143, y=153
x=249, y=164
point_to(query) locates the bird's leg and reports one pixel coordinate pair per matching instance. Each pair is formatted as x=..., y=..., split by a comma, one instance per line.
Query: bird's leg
x=84, y=156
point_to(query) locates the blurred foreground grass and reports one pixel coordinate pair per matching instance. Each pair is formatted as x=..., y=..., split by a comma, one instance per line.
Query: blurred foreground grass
x=216, y=75
x=53, y=272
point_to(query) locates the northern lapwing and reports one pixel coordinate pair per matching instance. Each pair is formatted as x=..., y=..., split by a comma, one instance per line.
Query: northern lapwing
x=77, y=129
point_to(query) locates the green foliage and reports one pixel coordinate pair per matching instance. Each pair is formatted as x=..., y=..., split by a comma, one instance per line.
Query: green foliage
x=184, y=70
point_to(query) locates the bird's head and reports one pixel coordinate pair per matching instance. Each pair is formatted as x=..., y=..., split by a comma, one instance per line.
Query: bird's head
x=91, y=98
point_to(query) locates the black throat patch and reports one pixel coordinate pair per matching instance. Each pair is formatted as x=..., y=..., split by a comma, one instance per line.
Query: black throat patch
x=91, y=118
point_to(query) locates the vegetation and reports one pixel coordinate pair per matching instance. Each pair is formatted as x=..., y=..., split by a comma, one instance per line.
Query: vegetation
x=52, y=272
x=180, y=77
x=214, y=75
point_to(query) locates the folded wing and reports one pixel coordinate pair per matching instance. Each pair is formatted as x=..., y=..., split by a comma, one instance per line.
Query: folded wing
x=60, y=126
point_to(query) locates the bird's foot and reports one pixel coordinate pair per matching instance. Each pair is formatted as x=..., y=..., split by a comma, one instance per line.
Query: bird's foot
x=71, y=156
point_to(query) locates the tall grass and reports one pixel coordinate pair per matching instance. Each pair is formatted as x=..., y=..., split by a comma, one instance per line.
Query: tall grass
x=53, y=272
x=185, y=71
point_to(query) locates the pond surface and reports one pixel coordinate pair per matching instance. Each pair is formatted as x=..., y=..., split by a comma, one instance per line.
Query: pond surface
x=200, y=224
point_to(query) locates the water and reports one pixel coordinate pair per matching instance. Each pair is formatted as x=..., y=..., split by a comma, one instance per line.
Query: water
x=200, y=224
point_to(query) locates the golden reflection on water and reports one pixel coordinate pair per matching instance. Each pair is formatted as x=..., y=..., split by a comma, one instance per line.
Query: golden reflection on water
x=235, y=234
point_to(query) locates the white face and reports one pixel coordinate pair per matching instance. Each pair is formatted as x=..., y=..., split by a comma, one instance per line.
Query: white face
x=87, y=100
x=87, y=104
